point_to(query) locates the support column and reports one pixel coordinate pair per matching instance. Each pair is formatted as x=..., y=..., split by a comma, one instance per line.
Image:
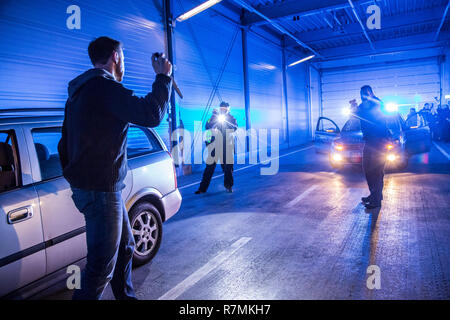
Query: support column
x=285, y=100
x=308, y=100
x=445, y=75
x=246, y=82
x=168, y=19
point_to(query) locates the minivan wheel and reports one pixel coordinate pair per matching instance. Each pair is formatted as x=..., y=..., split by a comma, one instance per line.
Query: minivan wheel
x=146, y=226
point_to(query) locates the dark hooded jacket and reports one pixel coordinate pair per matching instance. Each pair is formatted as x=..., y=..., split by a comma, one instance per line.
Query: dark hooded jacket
x=373, y=122
x=94, y=134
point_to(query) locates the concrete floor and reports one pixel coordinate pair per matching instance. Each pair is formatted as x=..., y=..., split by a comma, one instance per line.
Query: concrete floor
x=303, y=234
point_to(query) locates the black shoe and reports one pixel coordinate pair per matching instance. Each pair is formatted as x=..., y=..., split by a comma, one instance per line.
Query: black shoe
x=199, y=192
x=372, y=205
x=230, y=190
x=365, y=199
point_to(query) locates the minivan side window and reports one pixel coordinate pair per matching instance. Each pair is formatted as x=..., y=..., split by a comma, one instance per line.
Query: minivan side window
x=9, y=161
x=140, y=142
x=46, y=144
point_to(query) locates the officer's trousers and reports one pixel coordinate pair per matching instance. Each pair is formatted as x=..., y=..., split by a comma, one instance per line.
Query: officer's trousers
x=209, y=171
x=374, y=160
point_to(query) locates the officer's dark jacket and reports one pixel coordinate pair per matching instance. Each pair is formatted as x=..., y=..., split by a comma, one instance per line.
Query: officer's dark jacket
x=94, y=134
x=373, y=122
x=230, y=123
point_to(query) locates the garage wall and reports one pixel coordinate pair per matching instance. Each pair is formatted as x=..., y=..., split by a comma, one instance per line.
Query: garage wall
x=297, y=86
x=40, y=55
x=445, y=75
x=201, y=44
x=405, y=83
x=315, y=82
x=266, y=84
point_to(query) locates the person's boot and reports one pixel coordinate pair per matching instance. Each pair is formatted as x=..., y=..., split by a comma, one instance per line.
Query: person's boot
x=199, y=191
x=370, y=205
x=230, y=190
x=365, y=199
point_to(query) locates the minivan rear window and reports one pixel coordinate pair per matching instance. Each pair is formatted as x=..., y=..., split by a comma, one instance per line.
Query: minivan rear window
x=46, y=145
x=141, y=141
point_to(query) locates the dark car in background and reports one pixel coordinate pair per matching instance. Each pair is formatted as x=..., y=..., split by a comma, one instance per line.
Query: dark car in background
x=345, y=146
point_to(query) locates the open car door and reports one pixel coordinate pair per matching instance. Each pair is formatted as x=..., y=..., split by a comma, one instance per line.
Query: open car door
x=326, y=131
x=417, y=135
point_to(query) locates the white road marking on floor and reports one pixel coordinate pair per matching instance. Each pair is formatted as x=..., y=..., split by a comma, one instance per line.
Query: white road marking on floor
x=187, y=283
x=243, y=168
x=305, y=193
x=442, y=150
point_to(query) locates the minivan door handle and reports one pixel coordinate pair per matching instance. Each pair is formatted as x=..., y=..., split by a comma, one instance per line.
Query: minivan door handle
x=20, y=214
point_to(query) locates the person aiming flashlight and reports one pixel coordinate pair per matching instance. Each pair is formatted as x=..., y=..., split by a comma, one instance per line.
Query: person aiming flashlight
x=221, y=124
x=92, y=149
x=376, y=135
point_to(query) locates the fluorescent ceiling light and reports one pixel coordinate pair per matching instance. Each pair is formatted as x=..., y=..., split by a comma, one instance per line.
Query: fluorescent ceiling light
x=205, y=5
x=301, y=60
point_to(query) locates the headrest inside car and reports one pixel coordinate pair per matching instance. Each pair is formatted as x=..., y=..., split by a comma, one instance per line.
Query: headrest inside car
x=6, y=155
x=42, y=152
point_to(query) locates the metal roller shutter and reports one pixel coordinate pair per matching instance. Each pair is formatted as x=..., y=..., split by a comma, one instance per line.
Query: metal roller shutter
x=297, y=86
x=201, y=47
x=404, y=83
x=266, y=86
x=38, y=49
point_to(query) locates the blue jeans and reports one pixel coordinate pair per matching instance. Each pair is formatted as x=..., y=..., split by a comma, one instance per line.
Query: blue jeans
x=110, y=245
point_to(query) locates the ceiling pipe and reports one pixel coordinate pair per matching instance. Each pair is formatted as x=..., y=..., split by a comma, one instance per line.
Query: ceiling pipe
x=248, y=7
x=361, y=24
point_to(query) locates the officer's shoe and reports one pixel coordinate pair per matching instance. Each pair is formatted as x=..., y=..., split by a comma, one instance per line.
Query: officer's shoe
x=365, y=199
x=230, y=190
x=372, y=205
x=199, y=192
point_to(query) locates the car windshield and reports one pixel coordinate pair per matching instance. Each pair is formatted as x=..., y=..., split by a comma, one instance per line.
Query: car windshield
x=352, y=125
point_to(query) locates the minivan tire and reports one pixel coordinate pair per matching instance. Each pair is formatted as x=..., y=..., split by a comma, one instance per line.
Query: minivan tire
x=146, y=225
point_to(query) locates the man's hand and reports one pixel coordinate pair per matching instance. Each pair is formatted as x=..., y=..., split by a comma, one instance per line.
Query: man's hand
x=161, y=65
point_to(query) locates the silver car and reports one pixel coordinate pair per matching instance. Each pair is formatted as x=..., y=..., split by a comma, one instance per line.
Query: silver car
x=41, y=231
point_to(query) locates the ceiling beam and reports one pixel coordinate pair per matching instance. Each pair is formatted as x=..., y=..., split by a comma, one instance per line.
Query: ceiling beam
x=361, y=24
x=442, y=21
x=385, y=46
x=276, y=25
x=353, y=29
x=293, y=7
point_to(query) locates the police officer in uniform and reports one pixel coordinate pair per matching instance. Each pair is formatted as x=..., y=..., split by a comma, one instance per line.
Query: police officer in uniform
x=224, y=123
x=376, y=136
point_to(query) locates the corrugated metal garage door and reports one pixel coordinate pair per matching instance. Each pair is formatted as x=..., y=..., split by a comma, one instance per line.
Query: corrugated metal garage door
x=406, y=84
x=266, y=84
x=297, y=101
x=201, y=46
x=40, y=55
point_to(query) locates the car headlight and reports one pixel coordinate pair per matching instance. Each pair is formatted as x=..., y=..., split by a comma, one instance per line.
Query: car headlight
x=389, y=146
x=338, y=147
x=391, y=157
x=337, y=157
